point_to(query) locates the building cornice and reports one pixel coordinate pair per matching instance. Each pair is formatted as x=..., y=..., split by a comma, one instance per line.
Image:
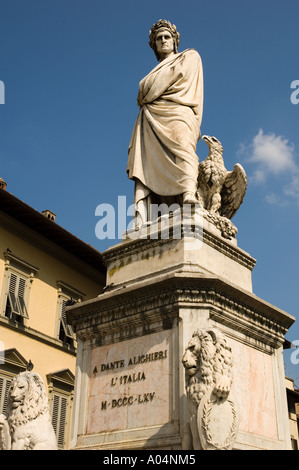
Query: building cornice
x=142, y=309
x=50, y=230
x=48, y=246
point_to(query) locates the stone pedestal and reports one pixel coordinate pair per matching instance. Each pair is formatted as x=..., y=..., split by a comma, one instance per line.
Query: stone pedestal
x=130, y=382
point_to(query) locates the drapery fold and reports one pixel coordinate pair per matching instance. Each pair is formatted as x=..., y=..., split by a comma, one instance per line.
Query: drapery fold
x=162, y=150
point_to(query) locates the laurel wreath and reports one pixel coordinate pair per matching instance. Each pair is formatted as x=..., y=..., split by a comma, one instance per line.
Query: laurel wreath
x=206, y=419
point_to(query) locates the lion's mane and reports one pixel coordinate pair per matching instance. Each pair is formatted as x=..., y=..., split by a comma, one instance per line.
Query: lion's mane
x=35, y=403
x=214, y=360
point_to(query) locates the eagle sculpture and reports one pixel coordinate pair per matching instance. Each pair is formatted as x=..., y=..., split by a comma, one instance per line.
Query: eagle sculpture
x=220, y=191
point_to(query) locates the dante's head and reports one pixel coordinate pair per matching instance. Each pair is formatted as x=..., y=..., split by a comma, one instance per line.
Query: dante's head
x=164, y=25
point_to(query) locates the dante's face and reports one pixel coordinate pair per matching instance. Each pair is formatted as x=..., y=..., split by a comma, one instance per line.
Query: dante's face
x=164, y=42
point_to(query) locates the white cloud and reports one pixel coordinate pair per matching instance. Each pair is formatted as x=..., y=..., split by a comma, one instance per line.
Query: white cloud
x=272, y=154
x=292, y=189
x=276, y=200
x=258, y=176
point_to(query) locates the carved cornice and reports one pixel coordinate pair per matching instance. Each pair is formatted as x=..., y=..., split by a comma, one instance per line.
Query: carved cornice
x=130, y=247
x=227, y=249
x=136, y=311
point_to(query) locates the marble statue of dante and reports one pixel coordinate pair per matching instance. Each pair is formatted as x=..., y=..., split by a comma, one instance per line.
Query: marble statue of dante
x=162, y=152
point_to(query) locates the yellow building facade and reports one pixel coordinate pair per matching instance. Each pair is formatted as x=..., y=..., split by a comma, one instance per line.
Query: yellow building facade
x=43, y=268
x=293, y=408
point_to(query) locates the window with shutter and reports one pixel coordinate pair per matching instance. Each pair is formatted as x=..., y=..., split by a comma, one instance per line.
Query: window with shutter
x=67, y=295
x=59, y=415
x=4, y=387
x=15, y=306
x=66, y=333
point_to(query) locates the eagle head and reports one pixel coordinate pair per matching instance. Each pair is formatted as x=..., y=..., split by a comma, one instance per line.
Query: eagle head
x=213, y=144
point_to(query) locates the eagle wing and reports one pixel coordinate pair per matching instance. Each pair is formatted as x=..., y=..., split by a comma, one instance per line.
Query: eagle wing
x=233, y=191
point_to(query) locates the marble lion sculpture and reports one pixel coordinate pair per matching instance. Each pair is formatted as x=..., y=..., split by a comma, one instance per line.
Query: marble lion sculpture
x=208, y=362
x=27, y=423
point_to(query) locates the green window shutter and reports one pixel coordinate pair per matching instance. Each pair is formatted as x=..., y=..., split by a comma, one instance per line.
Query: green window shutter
x=65, y=329
x=59, y=413
x=13, y=282
x=21, y=297
x=16, y=295
x=4, y=387
x=62, y=422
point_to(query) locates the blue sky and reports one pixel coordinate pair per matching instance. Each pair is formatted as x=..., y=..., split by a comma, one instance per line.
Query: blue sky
x=71, y=70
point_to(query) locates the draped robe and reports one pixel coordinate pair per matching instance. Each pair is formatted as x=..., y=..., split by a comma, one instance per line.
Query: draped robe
x=162, y=151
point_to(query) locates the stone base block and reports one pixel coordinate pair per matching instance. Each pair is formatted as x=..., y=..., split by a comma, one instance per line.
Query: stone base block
x=130, y=382
x=175, y=244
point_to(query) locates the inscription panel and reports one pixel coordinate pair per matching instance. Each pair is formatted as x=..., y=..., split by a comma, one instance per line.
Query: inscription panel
x=130, y=384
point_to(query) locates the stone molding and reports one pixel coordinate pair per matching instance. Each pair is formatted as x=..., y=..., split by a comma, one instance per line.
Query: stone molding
x=145, y=438
x=130, y=247
x=143, y=309
x=229, y=250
